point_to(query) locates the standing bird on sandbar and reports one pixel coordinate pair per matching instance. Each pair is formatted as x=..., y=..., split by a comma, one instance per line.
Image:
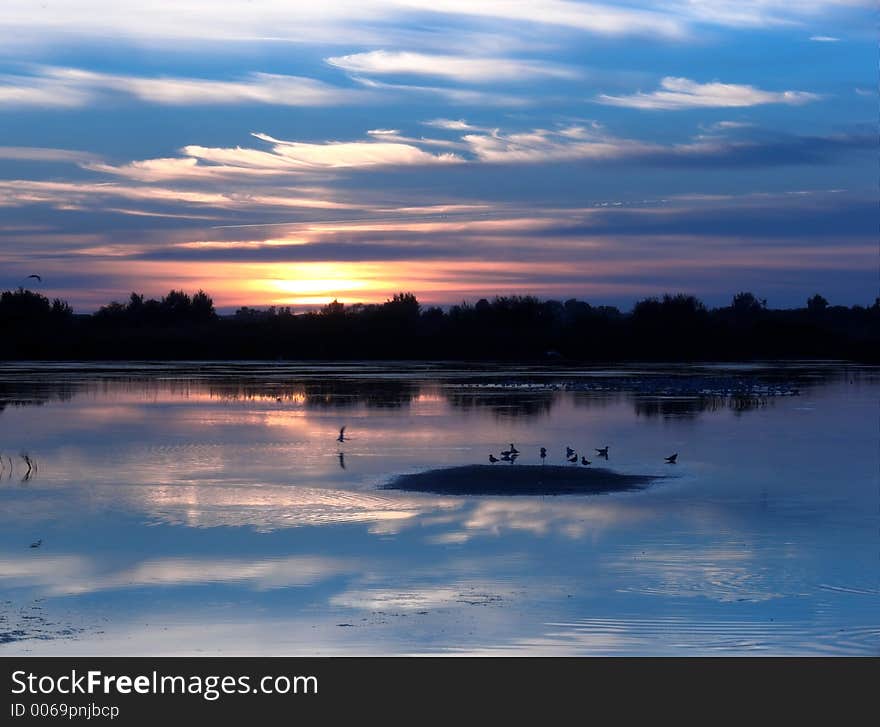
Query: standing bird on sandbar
x=574, y=458
x=671, y=458
x=568, y=452
x=602, y=452
x=341, y=437
x=585, y=461
x=493, y=459
x=543, y=454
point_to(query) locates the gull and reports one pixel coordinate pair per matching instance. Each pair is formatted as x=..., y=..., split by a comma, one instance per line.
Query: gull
x=35, y=277
x=493, y=459
x=568, y=452
x=574, y=458
x=585, y=461
x=513, y=450
x=671, y=458
x=341, y=437
x=603, y=452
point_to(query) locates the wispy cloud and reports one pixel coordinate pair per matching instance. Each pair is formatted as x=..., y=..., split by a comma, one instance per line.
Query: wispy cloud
x=43, y=154
x=451, y=94
x=70, y=87
x=16, y=91
x=824, y=39
x=455, y=67
x=683, y=93
x=361, y=22
x=451, y=124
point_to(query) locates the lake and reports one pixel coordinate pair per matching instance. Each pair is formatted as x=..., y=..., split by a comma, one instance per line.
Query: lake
x=200, y=508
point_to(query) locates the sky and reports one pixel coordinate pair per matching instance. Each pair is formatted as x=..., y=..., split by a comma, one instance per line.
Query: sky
x=274, y=152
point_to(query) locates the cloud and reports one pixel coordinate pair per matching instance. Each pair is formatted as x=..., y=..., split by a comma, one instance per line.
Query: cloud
x=384, y=148
x=451, y=124
x=682, y=93
x=824, y=39
x=72, y=87
x=18, y=91
x=459, y=68
x=452, y=95
x=43, y=154
x=353, y=22
x=341, y=154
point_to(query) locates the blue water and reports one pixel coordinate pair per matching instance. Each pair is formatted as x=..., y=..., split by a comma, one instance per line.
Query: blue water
x=203, y=509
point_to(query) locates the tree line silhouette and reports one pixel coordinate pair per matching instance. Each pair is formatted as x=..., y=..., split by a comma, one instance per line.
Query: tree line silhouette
x=669, y=328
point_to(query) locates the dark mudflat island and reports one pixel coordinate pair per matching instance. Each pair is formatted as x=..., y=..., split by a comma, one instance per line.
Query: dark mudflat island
x=479, y=479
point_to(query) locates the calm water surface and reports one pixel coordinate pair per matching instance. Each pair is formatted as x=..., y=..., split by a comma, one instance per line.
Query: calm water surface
x=191, y=508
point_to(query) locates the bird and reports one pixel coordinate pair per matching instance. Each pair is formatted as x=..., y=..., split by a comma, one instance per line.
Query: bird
x=574, y=458
x=341, y=437
x=513, y=450
x=603, y=452
x=671, y=458
x=36, y=277
x=568, y=452
x=505, y=457
x=493, y=459
x=543, y=454
x=37, y=543
x=513, y=457
x=585, y=461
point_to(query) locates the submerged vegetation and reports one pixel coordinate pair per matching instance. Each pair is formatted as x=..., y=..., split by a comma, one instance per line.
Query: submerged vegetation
x=671, y=328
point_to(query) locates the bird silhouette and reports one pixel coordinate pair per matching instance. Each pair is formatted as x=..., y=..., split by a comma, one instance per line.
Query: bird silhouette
x=602, y=452
x=543, y=454
x=574, y=458
x=671, y=458
x=568, y=452
x=36, y=277
x=513, y=450
x=341, y=437
x=493, y=459
x=505, y=457
x=37, y=543
x=585, y=461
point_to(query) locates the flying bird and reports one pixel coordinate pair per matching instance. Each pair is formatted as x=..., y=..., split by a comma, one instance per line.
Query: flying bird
x=341, y=437
x=35, y=277
x=37, y=543
x=493, y=459
x=602, y=452
x=671, y=458
x=585, y=461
